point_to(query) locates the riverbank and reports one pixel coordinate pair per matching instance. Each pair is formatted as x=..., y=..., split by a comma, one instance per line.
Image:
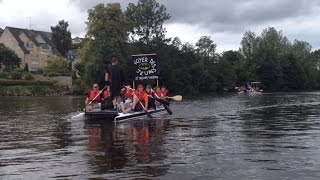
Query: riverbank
x=32, y=88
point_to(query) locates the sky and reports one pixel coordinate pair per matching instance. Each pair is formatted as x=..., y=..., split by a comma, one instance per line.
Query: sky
x=225, y=21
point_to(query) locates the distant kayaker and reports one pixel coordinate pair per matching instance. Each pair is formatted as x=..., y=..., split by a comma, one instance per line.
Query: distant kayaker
x=114, y=76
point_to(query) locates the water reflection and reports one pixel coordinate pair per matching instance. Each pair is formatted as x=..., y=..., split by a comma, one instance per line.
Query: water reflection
x=224, y=137
x=135, y=147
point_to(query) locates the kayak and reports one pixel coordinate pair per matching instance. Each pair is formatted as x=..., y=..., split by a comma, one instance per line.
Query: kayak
x=110, y=115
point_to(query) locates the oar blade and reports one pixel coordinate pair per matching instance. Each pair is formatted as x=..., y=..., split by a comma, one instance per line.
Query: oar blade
x=177, y=98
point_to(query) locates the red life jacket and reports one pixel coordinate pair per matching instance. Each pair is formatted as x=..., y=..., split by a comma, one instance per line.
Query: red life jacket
x=159, y=93
x=165, y=93
x=128, y=94
x=93, y=94
x=106, y=94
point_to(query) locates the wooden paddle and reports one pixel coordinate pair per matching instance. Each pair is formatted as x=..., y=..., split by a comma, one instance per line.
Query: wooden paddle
x=146, y=111
x=176, y=98
x=97, y=95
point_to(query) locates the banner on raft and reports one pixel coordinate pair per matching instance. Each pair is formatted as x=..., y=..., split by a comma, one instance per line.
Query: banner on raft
x=145, y=67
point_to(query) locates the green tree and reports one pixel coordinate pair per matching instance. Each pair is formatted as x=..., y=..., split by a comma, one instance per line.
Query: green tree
x=57, y=66
x=8, y=58
x=206, y=49
x=148, y=17
x=61, y=37
x=107, y=35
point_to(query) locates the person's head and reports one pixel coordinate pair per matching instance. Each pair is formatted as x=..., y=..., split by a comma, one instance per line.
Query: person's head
x=114, y=60
x=148, y=88
x=163, y=88
x=128, y=88
x=157, y=89
x=95, y=87
x=140, y=87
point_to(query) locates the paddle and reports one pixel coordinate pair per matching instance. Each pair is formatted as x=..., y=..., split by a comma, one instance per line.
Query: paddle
x=146, y=111
x=176, y=98
x=97, y=95
x=165, y=105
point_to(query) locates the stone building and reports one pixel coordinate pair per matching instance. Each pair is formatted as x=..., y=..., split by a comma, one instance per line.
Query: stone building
x=1, y=31
x=33, y=47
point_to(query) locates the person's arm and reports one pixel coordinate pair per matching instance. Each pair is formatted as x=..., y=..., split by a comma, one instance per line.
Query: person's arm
x=106, y=76
x=146, y=101
x=87, y=101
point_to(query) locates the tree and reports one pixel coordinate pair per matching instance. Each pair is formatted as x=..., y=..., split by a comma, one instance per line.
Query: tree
x=8, y=58
x=61, y=37
x=206, y=48
x=57, y=66
x=148, y=17
x=248, y=44
x=107, y=34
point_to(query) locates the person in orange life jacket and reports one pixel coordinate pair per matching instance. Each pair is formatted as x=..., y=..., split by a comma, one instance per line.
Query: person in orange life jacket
x=140, y=96
x=159, y=94
x=93, y=93
x=151, y=101
x=165, y=93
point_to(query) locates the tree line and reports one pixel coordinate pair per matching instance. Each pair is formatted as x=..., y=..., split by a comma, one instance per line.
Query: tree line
x=269, y=57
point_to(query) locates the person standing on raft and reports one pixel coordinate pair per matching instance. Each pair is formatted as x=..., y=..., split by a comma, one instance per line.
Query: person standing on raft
x=115, y=78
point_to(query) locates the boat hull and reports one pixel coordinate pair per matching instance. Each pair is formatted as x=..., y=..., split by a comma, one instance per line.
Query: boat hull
x=115, y=116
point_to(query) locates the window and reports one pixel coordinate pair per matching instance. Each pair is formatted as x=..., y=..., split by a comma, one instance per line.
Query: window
x=34, y=65
x=45, y=46
x=29, y=45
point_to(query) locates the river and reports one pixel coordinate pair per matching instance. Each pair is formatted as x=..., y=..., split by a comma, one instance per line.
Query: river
x=271, y=136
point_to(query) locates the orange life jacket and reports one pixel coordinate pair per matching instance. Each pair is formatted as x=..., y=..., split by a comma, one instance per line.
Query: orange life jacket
x=142, y=95
x=93, y=94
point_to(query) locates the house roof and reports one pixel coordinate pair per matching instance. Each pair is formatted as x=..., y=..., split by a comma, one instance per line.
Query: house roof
x=31, y=34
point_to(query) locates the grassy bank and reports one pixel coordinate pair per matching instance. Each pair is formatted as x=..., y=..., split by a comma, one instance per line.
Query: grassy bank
x=31, y=88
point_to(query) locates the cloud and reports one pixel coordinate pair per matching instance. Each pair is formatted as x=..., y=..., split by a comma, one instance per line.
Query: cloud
x=225, y=21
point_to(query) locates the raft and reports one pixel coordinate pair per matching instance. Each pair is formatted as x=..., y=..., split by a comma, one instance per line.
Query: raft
x=115, y=116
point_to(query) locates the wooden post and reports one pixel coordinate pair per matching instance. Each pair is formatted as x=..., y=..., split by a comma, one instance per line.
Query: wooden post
x=157, y=83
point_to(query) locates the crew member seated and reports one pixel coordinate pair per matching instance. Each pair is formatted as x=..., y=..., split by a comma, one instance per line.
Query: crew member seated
x=94, y=95
x=165, y=93
x=158, y=94
x=107, y=100
x=140, y=96
x=151, y=101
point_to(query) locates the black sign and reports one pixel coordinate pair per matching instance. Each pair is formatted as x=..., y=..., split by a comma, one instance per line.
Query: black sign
x=145, y=66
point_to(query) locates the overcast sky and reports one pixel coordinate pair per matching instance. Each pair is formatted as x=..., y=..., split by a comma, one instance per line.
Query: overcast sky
x=224, y=20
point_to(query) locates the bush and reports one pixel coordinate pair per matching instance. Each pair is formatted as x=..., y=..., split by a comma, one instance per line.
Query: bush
x=16, y=75
x=52, y=74
x=28, y=76
x=4, y=75
x=25, y=83
x=57, y=66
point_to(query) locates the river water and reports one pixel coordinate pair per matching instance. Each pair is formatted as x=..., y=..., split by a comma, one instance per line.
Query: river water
x=271, y=136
